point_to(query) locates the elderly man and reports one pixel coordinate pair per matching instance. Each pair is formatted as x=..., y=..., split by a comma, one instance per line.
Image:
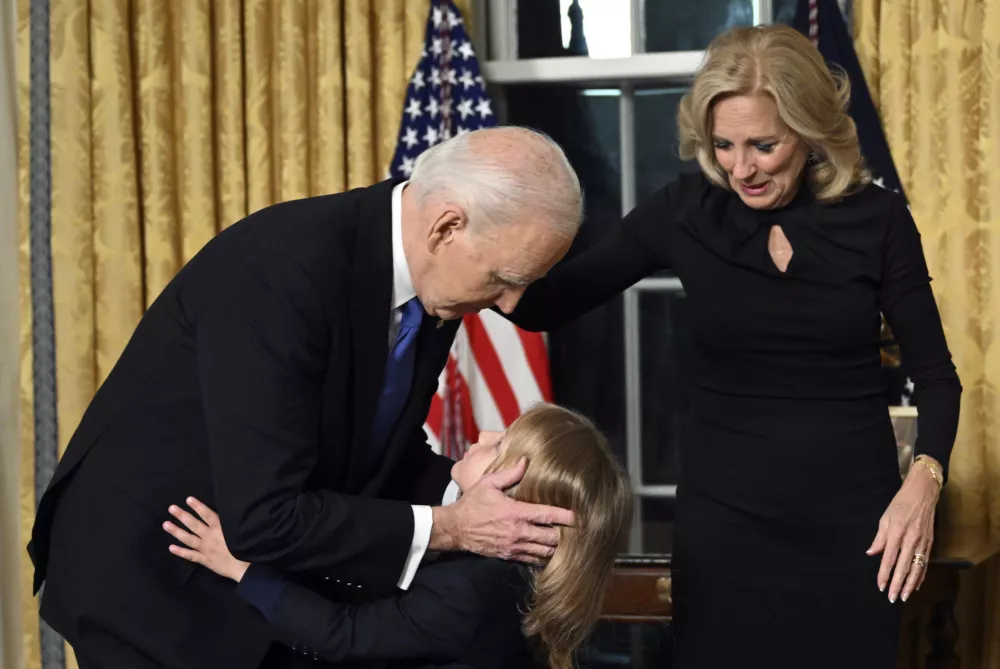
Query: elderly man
x=263, y=382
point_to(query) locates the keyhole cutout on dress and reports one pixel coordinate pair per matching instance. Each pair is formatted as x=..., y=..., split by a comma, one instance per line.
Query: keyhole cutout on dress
x=780, y=248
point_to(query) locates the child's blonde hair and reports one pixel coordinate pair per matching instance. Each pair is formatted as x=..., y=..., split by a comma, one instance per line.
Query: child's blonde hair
x=570, y=466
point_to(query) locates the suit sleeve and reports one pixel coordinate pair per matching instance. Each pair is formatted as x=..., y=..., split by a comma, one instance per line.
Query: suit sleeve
x=263, y=345
x=437, y=618
x=636, y=248
x=910, y=310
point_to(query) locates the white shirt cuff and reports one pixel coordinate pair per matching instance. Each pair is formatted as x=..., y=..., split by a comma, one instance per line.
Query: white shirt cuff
x=451, y=494
x=423, y=521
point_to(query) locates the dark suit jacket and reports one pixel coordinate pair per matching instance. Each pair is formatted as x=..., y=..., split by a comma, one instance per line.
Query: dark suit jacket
x=251, y=383
x=462, y=611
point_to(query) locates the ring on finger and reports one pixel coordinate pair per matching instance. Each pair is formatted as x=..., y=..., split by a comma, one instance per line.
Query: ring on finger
x=919, y=559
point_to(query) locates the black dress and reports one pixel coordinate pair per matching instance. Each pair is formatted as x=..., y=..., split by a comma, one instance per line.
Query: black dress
x=791, y=458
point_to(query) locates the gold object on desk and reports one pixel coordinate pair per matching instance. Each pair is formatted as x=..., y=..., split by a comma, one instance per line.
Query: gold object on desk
x=664, y=590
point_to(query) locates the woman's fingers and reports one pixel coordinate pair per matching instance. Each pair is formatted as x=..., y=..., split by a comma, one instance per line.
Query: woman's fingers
x=187, y=554
x=878, y=545
x=889, y=556
x=190, y=522
x=918, y=569
x=904, y=565
x=186, y=538
x=207, y=515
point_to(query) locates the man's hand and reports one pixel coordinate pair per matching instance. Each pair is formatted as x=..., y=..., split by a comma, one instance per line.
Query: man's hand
x=205, y=543
x=487, y=522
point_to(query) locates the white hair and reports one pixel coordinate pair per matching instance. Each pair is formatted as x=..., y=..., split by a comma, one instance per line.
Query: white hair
x=495, y=188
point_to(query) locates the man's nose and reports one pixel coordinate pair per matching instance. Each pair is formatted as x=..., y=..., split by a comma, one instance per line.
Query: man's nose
x=508, y=301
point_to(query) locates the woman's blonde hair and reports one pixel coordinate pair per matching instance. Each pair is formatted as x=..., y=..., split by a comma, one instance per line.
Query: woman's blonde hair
x=570, y=466
x=811, y=100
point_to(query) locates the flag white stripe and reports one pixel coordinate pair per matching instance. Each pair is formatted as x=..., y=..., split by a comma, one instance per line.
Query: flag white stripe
x=484, y=408
x=513, y=360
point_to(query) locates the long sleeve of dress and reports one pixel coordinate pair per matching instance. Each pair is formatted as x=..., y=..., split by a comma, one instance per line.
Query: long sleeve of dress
x=633, y=250
x=909, y=308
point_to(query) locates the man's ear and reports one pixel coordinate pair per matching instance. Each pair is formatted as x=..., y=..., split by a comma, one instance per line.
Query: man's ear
x=449, y=221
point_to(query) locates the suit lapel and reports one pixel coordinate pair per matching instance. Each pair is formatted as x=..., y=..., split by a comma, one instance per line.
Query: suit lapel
x=369, y=309
x=370, y=306
x=433, y=345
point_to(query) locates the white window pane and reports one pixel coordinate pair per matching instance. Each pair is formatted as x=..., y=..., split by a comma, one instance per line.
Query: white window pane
x=689, y=25
x=590, y=28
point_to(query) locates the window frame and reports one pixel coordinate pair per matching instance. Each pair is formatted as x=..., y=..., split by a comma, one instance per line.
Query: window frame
x=496, y=35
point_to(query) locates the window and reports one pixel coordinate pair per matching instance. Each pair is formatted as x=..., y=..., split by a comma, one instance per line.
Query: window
x=603, y=78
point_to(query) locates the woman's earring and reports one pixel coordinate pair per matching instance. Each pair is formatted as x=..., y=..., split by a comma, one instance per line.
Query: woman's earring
x=813, y=158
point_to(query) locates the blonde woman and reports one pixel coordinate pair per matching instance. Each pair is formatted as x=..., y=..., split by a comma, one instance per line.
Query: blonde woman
x=462, y=610
x=794, y=538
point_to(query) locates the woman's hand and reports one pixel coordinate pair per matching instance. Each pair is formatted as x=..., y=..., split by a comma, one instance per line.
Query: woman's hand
x=907, y=530
x=206, y=545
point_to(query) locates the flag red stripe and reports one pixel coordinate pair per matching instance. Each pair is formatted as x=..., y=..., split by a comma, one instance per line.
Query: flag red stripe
x=434, y=415
x=489, y=364
x=468, y=416
x=538, y=360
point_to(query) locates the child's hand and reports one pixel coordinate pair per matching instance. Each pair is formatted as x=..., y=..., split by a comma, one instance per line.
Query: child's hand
x=206, y=546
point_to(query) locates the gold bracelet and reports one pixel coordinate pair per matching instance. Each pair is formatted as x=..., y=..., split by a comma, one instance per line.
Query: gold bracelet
x=934, y=469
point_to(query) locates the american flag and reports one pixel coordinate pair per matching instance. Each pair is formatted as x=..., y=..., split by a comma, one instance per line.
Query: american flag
x=495, y=370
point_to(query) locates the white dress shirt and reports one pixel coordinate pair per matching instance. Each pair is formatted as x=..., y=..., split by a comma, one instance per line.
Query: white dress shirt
x=403, y=292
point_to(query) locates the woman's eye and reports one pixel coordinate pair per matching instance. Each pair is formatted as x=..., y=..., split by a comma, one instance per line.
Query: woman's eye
x=765, y=148
x=722, y=145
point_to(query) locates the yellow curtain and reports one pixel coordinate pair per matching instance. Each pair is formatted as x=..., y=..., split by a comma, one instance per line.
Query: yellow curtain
x=933, y=67
x=171, y=119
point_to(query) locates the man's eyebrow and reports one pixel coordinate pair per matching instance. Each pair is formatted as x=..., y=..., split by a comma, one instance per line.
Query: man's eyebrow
x=509, y=280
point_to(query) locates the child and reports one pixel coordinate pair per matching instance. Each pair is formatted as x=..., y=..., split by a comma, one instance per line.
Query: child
x=464, y=610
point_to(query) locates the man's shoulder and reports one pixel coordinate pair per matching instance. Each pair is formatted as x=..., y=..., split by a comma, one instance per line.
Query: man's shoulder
x=303, y=220
x=313, y=233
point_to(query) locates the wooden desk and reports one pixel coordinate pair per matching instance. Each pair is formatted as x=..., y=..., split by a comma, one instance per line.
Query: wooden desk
x=640, y=592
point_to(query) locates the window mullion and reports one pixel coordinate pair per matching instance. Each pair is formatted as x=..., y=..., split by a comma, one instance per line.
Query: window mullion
x=638, y=32
x=763, y=12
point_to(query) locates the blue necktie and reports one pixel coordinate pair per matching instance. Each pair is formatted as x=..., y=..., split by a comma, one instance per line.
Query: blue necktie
x=398, y=374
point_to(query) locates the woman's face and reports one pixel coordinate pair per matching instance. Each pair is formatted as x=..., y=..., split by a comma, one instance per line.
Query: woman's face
x=762, y=156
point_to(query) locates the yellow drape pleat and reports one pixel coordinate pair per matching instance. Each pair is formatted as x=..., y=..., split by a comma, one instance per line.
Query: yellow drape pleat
x=933, y=67
x=171, y=120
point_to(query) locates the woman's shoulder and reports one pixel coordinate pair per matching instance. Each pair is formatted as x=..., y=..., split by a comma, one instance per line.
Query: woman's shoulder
x=870, y=197
x=866, y=219
x=688, y=190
